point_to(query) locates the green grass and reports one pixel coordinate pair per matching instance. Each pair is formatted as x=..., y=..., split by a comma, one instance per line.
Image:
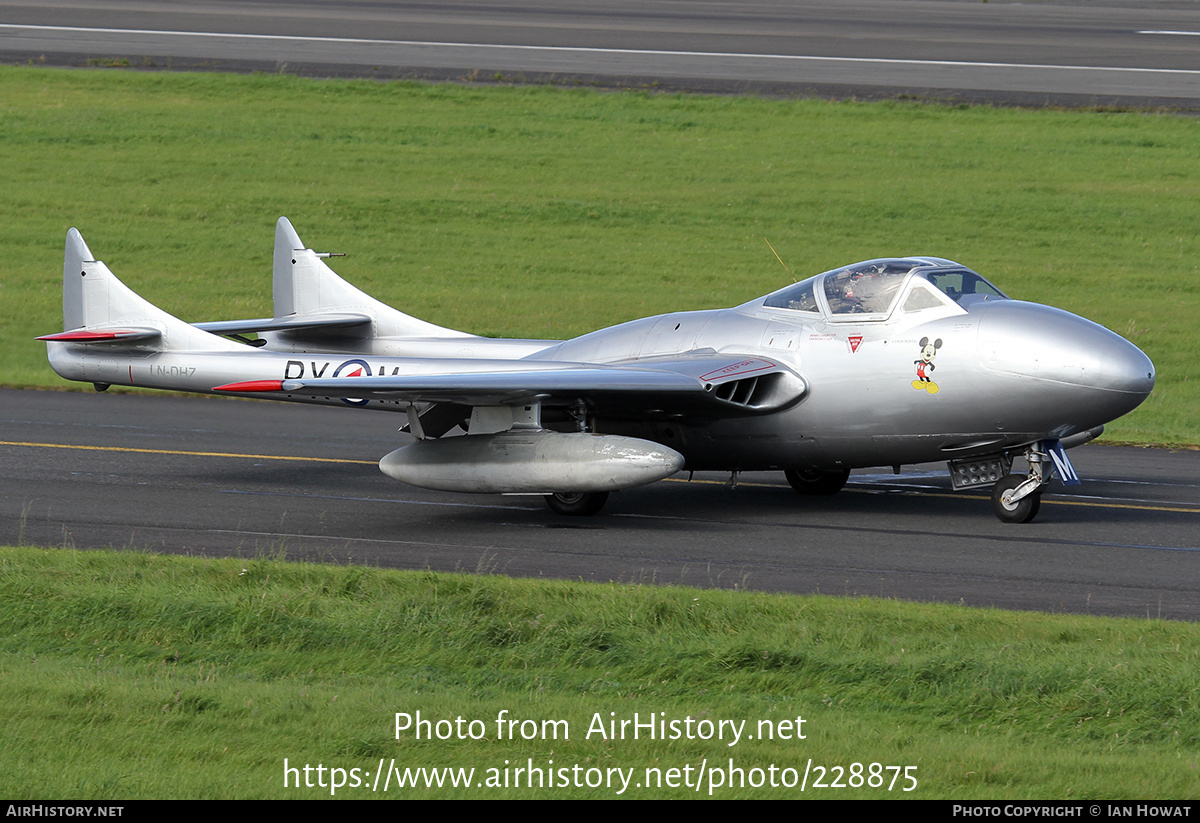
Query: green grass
x=547, y=212
x=131, y=675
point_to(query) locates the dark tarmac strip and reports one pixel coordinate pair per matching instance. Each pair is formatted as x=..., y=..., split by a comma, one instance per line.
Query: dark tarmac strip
x=226, y=477
x=1104, y=52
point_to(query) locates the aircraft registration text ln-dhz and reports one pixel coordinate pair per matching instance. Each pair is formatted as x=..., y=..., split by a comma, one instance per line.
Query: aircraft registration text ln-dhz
x=882, y=363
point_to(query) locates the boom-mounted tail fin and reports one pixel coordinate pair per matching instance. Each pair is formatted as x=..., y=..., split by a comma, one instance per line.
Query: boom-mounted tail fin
x=98, y=308
x=312, y=301
x=74, y=258
x=303, y=286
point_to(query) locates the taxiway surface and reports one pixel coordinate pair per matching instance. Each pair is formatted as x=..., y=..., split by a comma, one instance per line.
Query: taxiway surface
x=219, y=477
x=1102, y=52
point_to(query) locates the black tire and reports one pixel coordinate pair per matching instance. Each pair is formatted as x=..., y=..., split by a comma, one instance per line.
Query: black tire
x=577, y=504
x=1021, y=511
x=815, y=481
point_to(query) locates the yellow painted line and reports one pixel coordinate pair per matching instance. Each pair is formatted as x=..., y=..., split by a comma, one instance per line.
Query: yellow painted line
x=187, y=453
x=958, y=496
x=1052, y=500
x=1139, y=506
x=1058, y=501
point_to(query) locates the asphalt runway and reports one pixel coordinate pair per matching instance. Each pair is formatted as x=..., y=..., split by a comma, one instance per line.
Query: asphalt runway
x=1100, y=52
x=221, y=477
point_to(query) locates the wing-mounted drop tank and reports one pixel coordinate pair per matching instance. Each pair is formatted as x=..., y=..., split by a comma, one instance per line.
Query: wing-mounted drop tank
x=531, y=462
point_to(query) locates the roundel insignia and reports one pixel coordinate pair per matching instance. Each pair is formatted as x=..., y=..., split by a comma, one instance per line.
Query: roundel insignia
x=353, y=368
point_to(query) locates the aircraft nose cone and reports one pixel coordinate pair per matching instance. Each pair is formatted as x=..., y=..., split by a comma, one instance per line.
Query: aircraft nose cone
x=1041, y=343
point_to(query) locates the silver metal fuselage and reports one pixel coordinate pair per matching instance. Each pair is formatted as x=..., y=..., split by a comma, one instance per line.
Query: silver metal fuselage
x=1008, y=373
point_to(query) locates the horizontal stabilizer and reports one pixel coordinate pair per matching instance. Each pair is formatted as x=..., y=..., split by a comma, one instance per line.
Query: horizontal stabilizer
x=106, y=336
x=332, y=320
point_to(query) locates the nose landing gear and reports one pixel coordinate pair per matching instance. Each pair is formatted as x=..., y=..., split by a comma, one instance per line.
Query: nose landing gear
x=1017, y=498
x=1010, y=508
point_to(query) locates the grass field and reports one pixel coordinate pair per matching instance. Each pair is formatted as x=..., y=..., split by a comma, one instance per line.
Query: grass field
x=545, y=212
x=132, y=675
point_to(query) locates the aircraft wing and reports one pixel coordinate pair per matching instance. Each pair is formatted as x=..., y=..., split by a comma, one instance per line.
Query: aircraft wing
x=710, y=385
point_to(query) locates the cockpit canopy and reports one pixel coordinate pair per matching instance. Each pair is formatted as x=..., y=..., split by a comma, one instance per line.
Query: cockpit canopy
x=872, y=289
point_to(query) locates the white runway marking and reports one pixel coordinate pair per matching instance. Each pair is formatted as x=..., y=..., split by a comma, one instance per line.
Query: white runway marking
x=589, y=50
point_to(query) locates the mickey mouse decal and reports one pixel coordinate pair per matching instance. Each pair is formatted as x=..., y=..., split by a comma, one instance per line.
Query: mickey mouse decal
x=925, y=366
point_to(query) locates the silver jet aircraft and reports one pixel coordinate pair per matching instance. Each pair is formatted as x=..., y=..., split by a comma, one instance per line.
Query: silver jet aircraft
x=882, y=363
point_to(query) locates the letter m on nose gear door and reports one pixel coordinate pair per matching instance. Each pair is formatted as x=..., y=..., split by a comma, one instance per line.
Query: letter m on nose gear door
x=1062, y=463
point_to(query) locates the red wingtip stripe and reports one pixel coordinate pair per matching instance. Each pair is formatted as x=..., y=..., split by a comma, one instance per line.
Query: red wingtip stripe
x=88, y=335
x=251, y=386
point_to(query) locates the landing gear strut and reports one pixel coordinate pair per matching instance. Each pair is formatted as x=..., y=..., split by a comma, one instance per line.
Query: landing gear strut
x=1017, y=498
x=815, y=481
x=577, y=504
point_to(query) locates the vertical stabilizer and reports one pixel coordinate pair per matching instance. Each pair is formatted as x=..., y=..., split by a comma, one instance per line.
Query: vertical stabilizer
x=303, y=286
x=283, y=285
x=76, y=255
x=95, y=300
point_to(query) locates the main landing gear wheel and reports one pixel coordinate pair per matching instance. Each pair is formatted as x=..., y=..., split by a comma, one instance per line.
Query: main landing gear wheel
x=816, y=481
x=577, y=504
x=1014, y=511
